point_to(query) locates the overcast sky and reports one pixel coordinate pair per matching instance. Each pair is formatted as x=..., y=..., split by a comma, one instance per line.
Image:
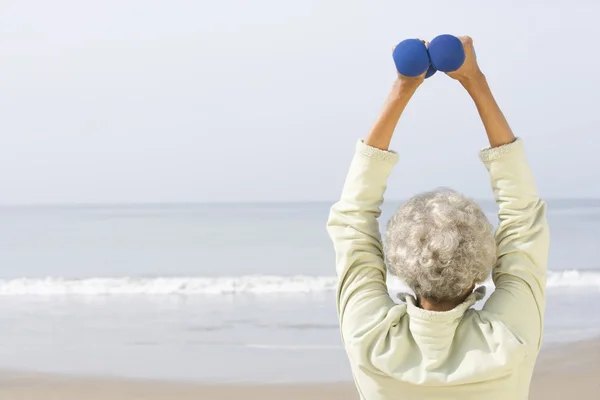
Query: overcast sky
x=237, y=100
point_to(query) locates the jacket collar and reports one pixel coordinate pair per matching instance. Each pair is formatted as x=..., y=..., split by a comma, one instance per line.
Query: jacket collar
x=440, y=316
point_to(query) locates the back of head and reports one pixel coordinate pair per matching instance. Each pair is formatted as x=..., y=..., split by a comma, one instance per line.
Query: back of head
x=440, y=244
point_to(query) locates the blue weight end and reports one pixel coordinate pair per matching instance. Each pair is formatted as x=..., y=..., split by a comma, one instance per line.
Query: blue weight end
x=411, y=58
x=447, y=53
x=430, y=71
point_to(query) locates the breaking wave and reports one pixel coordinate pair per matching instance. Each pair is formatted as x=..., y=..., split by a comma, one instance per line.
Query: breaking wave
x=257, y=285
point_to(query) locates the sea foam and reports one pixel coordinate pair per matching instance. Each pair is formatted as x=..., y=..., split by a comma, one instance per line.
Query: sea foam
x=255, y=285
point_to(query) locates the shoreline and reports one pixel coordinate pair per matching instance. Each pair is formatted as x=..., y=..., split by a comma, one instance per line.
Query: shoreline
x=561, y=371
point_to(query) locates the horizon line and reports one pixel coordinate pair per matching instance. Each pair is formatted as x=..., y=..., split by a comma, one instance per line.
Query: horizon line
x=232, y=202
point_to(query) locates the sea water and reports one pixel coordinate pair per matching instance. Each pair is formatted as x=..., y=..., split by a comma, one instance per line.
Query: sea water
x=218, y=292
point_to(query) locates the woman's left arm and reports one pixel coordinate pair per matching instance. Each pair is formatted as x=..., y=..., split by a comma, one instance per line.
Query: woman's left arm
x=362, y=297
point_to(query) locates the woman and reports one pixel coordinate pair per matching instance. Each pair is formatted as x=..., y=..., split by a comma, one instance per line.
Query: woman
x=434, y=345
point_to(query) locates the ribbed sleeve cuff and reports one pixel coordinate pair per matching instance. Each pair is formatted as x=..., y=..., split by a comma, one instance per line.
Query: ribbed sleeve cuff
x=504, y=151
x=386, y=157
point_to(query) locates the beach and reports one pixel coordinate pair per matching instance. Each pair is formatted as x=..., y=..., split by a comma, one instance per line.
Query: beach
x=192, y=302
x=561, y=372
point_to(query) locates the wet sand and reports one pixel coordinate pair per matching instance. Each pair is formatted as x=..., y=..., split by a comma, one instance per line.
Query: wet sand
x=562, y=372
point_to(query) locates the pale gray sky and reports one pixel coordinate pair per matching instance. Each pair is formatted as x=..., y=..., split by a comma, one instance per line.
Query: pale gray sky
x=237, y=100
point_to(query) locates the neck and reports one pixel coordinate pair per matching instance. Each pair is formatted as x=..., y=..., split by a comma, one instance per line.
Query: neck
x=441, y=306
x=446, y=305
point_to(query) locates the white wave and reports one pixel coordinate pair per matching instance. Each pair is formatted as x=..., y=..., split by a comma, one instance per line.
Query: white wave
x=230, y=285
x=164, y=286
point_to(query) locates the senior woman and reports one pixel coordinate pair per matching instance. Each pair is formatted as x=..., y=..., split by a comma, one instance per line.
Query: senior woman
x=434, y=345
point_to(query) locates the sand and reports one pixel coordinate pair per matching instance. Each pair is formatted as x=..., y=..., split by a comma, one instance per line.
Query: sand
x=570, y=371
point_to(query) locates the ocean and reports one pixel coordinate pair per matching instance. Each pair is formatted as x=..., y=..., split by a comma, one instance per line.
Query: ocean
x=217, y=292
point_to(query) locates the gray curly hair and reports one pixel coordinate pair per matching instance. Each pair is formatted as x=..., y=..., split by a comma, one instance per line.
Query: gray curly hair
x=440, y=243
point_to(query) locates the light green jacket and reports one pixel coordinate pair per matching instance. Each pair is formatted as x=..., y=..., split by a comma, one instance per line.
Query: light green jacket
x=400, y=351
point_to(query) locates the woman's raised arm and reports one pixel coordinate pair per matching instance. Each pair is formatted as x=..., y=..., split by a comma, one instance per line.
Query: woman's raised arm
x=522, y=236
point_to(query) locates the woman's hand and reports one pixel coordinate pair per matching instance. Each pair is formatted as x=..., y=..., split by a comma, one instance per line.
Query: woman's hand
x=470, y=69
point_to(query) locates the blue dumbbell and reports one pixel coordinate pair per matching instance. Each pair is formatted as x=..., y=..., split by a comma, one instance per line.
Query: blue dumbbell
x=446, y=53
x=412, y=59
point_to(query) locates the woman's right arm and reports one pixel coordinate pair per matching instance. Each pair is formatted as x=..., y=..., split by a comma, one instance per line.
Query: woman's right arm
x=522, y=236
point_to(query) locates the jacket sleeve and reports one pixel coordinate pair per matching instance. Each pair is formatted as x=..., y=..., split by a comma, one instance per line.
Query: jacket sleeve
x=522, y=238
x=362, y=297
